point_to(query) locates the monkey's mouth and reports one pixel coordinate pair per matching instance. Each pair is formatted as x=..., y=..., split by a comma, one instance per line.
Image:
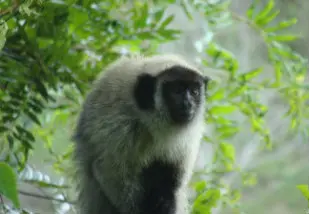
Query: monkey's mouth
x=181, y=116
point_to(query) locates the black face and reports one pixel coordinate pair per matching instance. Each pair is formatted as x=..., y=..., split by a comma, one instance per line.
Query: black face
x=181, y=92
x=182, y=99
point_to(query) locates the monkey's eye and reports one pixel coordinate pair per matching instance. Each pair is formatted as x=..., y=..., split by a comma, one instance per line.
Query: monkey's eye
x=195, y=92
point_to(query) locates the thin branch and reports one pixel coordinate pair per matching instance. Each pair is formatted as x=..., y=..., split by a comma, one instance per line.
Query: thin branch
x=2, y=204
x=1, y=200
x=44, y=197
x=10, y=9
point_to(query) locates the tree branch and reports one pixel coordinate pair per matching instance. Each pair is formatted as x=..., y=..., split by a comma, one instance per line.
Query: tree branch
x=44, y=197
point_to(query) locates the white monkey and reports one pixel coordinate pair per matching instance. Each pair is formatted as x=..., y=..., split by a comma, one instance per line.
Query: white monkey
x=138, y=136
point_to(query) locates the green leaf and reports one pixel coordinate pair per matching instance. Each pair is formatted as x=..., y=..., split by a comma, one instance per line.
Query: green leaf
x=294, y=123
x=227, y=131
x=263, y=13
x=222, y=58
x=142, y=17
x=251, y=74
x=278, y=74
x=24, y=9
x=10, y=140
x=228, y=151
x=218, y=95
x=249, y=179
x=3, y=129
x=158, y=15
x=166, y=22
x=206, y=201
x=222, y=109
x=32, y=116
x=282, y=25
x=25, y=132
x=235, y=92
x=200, y=186
x=78, y=16
x=185, y=8
x=251, y=8
x=8, y=184
x=41, y=88
x=283, y=38
x=3, y=30
x=256, y=124
x=169, y=34
x=145, y=35
x=268, y=19
x=304, y=189
x=235, y=196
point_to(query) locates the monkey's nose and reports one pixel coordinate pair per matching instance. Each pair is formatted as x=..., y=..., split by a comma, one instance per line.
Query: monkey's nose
x=186, y=105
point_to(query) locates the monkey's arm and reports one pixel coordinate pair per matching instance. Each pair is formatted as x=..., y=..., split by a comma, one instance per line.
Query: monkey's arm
x=93, y=200
x=121, y=193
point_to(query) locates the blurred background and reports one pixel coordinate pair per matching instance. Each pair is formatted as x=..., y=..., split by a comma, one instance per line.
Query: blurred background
x=270, y=186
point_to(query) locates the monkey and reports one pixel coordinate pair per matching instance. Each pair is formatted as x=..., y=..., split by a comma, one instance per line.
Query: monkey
x=138, y=135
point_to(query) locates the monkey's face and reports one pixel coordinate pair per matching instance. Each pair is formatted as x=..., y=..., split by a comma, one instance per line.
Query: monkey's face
x=183, y=92
x=182, y=99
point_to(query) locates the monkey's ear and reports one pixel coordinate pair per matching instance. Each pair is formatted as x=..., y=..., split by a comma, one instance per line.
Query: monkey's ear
x=206, y=81
x=144, y=91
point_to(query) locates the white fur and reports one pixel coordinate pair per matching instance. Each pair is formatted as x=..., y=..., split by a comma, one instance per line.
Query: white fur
x=105, y=132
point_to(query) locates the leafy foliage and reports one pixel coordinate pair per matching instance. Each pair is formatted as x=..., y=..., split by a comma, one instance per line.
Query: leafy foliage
x=53, y=50
x=8, y=183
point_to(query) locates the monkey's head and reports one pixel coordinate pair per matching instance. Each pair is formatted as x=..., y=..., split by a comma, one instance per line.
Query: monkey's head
x=171, y=90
